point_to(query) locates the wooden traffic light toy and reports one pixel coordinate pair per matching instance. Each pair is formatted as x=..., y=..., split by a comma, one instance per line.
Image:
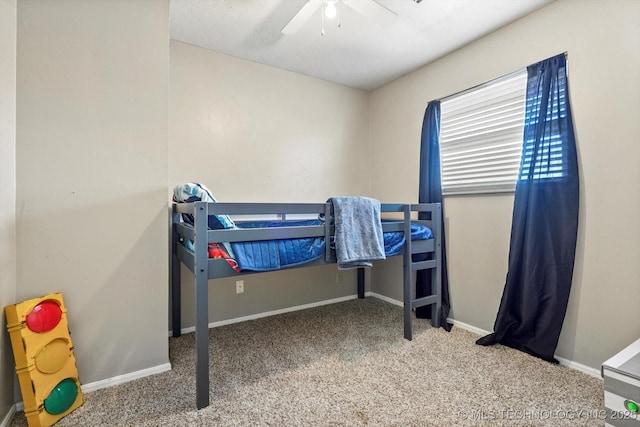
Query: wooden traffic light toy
x=45, y=363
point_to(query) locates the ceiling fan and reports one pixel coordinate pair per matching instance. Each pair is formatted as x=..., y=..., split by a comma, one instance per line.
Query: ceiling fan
x=367, y=8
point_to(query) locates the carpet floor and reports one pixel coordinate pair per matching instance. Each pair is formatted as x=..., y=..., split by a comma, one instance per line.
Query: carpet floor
x=347, y=364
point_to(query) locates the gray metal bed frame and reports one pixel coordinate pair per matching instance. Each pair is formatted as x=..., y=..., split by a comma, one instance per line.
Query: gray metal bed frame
x=205, y=268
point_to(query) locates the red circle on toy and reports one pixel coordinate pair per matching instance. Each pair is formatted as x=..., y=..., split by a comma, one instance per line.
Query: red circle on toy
x=44, y=316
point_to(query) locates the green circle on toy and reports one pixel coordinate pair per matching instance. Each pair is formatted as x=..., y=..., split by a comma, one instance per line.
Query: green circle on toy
x=61, y=397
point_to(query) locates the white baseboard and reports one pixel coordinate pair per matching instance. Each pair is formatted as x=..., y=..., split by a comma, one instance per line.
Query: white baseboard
x=579, y=367
x=6, y=421
x=564, y=362
x=467, y=327
x=125, y=378
x=268, y=313
x=384, y=298
x=110, y=382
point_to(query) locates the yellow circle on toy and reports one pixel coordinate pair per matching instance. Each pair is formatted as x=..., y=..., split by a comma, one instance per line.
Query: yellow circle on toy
x=53, y=356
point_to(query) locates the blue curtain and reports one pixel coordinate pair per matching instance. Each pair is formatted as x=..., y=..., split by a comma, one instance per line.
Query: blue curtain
x=545, y=219
x=430, y=191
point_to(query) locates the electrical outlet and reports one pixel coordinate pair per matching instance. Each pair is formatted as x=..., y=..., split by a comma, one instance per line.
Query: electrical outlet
x=239, y=286
x=337, y=277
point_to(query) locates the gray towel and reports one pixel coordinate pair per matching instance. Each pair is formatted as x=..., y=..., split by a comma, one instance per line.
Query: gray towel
x=358, y=235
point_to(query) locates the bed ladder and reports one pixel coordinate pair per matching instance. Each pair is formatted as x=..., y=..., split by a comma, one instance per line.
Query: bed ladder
x=432, y=263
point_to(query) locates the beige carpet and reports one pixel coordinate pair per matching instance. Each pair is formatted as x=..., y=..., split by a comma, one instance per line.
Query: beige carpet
x=347, y=365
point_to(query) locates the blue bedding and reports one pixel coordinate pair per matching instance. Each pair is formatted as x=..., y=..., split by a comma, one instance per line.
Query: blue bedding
x=268, y=255
x=394, y=241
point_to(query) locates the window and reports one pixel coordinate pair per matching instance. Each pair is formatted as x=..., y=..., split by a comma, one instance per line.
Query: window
x=481, y=134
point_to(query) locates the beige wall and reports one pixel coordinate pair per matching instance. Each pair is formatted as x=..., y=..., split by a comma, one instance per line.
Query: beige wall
x=7, y=193
x=603, y=43
x=250, y=132
x=92, y=90
x=256, y=133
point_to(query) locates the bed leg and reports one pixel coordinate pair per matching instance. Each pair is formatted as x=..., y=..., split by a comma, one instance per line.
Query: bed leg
x=175, y=297
x=175, y=277
x=436, y=289
x=202, y=341
x=201, y=273
x=361, y=283
x=408, y=330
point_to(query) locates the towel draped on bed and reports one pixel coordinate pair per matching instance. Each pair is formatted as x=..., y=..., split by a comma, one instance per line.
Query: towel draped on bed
x=358, y=231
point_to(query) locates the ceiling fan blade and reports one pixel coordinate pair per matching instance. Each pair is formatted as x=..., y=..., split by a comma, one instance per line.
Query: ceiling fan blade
x=373, y=11
x=302, y=17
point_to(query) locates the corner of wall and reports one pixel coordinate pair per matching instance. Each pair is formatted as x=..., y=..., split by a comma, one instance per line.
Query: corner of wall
x=8, y=31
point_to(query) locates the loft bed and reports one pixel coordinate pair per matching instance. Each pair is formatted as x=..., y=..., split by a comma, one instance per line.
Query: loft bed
x=192, y=240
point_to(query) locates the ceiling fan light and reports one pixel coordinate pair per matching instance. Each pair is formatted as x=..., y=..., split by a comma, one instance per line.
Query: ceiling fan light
x=330, y=10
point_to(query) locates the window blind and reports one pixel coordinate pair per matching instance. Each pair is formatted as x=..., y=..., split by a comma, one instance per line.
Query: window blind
x=481, y=133
x=551, y=160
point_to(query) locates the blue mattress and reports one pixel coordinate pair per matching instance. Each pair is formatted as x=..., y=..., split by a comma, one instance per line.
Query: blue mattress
x=394, y=241
x=269, y=255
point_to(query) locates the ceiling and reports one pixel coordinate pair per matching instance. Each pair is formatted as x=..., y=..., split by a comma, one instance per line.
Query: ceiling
x=362, y=53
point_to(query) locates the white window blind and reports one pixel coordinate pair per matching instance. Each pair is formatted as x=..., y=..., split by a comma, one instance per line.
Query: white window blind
x=551, y=160
x=481, y=132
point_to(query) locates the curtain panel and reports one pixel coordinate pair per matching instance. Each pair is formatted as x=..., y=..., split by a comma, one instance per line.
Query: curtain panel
x=430, y=191
x=545, y=219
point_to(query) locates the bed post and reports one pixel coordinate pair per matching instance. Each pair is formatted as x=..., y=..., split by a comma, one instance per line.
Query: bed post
x=175, y=275
x=201, y=278
x=406, y=280
x=436, y=274
x=327, y=231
